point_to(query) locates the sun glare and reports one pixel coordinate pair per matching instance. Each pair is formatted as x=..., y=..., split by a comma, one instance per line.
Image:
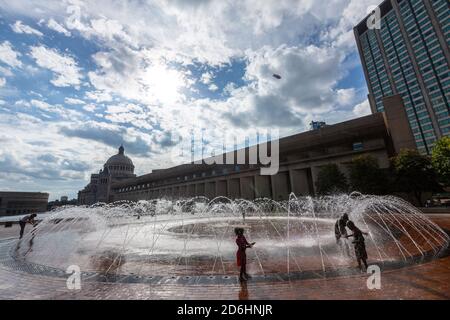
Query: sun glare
x=164, y=84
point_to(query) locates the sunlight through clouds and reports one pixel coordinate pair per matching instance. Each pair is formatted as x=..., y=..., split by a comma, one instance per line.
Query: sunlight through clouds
x=92, y=74
x=163, y=84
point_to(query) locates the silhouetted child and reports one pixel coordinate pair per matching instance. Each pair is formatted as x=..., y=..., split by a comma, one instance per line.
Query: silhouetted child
x=341, y=232
x=358, y=241
x=24, y=221
x=241, y=256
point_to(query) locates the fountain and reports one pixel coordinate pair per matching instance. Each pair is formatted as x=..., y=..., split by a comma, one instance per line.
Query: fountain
x=194, y=239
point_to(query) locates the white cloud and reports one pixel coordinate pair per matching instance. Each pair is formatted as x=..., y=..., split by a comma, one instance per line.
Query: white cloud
x=66, y=168
x=52, y=24
x=124, y=108
x=2, y=82
x=73, y=101
x=346, y=96
x=44, y=106
x=110, y=30
x=134, y=75
x=89, y=108
x=5, y=71
x=98, y=96
x=130, y=114
x=62, y=112
x=22, y=103
x=30, y=69
x=19, y=27
x=228, y=89
x=134, y=64
x=65, y=69
x=309, y=75
x=206, y=78
x=208, y=31
x=137, y=142
x=307, y=88
x=9, y=56
x=213, y=87
x=362, y=109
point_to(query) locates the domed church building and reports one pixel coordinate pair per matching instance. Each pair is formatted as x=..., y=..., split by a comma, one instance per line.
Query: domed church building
x=118, y=167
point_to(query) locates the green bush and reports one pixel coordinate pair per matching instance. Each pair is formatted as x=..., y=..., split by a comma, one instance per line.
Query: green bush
x=440, y=159
x=367, y=177
x=414, y=173
x=331, y=180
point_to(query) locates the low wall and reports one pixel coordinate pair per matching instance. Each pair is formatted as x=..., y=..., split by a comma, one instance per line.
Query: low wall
x=435, y=210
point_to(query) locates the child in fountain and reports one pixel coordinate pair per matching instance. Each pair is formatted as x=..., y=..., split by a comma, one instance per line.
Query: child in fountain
x=241, y=256
x=24, y=221
x=360, y=246
x=341, y=233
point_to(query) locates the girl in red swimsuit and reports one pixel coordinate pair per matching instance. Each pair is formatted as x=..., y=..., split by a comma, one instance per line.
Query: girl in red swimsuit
x=241, y=257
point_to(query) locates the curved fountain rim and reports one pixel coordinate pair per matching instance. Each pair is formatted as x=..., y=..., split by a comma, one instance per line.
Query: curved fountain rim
x=8, y=260
x=116, y=221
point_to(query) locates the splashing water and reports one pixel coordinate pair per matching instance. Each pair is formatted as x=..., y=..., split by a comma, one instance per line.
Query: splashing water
x=196, y=236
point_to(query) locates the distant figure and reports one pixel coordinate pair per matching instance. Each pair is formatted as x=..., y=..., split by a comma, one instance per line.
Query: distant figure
x=360, y=246
x=27, y=219
x=241, y=256
x=341, y=234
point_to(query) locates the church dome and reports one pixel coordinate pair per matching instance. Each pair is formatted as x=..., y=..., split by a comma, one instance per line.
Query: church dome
x=120, y=162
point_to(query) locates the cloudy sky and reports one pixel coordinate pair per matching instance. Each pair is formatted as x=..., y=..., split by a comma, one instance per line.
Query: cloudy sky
x=78, y=78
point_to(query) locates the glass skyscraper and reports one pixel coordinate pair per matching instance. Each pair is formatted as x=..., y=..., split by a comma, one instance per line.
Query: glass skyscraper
x=408, y=55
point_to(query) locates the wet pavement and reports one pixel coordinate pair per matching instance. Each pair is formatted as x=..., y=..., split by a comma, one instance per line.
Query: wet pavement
x=424, y=280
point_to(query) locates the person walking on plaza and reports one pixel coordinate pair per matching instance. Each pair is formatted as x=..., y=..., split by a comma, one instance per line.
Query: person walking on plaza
x=24, y=221
x=241, y=256
x=358, y=241
x=340, y=232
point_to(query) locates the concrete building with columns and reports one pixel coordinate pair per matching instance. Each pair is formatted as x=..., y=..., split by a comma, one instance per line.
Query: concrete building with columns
x=17, y=203
x=301, y=157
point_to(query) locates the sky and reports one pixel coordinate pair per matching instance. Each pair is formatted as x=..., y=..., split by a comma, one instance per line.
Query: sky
x=80, y=78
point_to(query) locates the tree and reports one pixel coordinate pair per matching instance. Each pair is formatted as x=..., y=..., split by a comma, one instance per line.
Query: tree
x=414, y=173
x=366, y=176
x=440, y=159
x=331, y=180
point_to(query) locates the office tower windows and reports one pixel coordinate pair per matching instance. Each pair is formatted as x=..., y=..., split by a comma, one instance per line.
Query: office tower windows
x=409, y=56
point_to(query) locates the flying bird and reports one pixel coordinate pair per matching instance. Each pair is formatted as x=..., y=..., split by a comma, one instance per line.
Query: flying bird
x=277, y=76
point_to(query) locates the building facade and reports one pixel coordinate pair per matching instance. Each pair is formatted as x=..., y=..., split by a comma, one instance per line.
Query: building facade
x=301, y=157
x=116, y=168
x=409, y=56
x=16, y=203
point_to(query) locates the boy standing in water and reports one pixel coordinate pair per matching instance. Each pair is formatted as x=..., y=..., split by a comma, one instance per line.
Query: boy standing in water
x=24, y=221
x=341, y=232
x=360, y=246
x=241, y=256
